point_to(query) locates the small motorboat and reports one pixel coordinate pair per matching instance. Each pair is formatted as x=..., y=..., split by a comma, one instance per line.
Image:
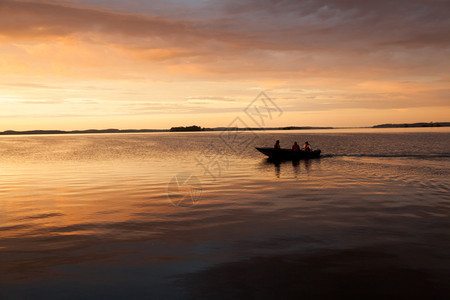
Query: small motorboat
x=288, y=154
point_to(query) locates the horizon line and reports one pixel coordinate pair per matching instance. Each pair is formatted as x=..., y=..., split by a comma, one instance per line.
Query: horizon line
x=292, y=127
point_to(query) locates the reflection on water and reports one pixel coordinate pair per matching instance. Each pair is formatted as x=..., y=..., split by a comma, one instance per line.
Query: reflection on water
x=89, y=216
x=299, y=167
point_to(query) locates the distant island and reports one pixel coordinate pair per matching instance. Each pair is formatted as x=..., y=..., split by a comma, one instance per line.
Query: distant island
x=187, y=128
x=13, y=132
x=430, y=124
x=266, y=128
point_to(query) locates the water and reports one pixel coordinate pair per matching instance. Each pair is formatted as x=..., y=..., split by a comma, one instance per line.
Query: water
x=108, y=215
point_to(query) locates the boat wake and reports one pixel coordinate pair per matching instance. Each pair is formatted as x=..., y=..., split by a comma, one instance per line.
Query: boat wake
x=419, y=156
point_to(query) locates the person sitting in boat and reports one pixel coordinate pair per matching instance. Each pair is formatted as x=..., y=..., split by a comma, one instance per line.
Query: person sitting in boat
x=277, y=145
x=295, y=147
x=307, y=147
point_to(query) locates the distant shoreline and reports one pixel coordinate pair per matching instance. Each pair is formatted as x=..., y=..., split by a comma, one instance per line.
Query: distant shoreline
x=89, y=131
x=94, y=131
x=406, y=125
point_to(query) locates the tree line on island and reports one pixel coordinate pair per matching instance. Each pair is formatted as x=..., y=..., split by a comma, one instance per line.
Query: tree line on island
x=430, y=124
x=187, y=128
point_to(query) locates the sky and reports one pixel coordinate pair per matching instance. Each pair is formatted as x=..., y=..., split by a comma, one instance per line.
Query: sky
x=81, y=64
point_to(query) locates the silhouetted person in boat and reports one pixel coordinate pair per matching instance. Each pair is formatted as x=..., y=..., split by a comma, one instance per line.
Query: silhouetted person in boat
x=277, y=145
x=295, y=147
x=307, y=147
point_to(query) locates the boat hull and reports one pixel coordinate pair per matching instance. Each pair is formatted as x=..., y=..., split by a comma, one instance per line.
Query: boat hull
x=288, y=154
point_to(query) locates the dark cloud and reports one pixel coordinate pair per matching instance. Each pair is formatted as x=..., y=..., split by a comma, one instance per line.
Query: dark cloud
x=277, y=25
x=46, y=19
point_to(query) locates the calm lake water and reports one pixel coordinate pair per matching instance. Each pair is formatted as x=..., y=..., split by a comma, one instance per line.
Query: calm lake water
x=204, y=215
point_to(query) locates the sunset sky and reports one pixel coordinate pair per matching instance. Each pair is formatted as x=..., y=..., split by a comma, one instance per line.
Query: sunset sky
x=80, y=64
